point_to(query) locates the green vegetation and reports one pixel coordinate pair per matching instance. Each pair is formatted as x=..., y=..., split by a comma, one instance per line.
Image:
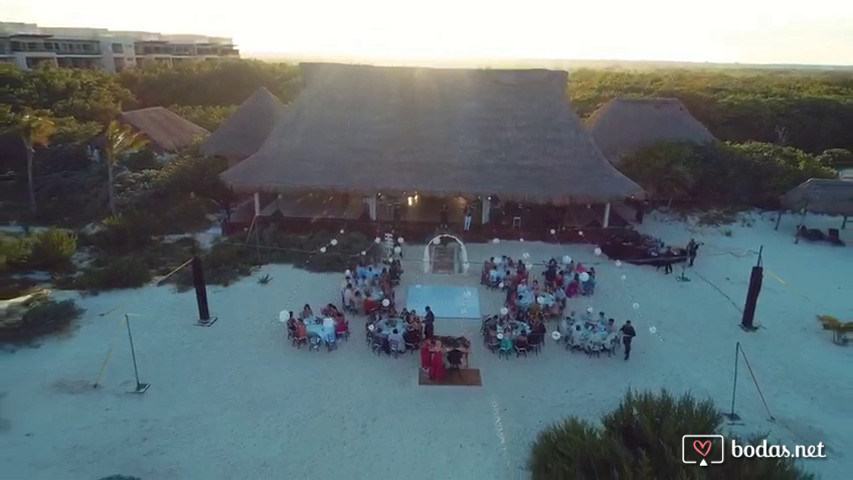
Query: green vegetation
x=808, y=110
x=40, y=317
x=49, y=250
x=641, y=439
x=749, y=174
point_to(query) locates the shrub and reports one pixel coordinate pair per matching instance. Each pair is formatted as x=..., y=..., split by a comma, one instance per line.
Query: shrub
x=125, y=233
x=41, y=319
x=123, y=272
x=14, y=251
x=753, y=174
x=641, y=439
x=53, y=247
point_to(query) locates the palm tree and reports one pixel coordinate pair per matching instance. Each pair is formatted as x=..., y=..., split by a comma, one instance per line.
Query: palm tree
x=120, y=140
x=33, y=130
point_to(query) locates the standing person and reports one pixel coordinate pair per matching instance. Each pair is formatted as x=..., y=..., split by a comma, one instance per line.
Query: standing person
x=429, y=323
x=444, y=215
x=468, y=218
x=628, y=334
x=692, y=250
x=641, y=212
x=667, y=260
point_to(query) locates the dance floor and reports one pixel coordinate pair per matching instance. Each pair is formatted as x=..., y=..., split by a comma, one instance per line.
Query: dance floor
x=445, y=302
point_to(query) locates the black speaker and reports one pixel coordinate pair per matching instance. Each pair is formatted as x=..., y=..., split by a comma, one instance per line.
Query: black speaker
x=200, y=291
x=755, y=279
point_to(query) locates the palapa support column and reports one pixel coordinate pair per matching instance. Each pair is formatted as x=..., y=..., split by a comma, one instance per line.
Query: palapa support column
x=778, y=219
x=606, y=222
x=844, y=222
x=371, y=206
x=257, y=204
x=486, y=206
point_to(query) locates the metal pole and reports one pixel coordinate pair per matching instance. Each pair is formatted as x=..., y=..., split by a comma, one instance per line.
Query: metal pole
x=132, y=351
x=732, y=415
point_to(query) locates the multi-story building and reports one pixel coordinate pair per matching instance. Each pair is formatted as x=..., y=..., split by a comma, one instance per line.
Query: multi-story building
x=28, y=45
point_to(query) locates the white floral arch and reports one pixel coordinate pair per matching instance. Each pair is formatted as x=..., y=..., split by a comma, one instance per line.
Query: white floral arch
x=435, y=241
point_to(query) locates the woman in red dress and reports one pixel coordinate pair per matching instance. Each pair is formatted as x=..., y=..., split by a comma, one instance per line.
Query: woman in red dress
x=425, y=354
x=436, y=370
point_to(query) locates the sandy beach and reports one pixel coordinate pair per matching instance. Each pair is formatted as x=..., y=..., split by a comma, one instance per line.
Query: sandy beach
x=237, y=401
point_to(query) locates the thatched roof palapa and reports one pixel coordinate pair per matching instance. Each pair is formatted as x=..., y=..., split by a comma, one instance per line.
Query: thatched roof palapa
x=165, y=129
x=243, y=133
x=817, y=195
x=366, y=129
x=625, y=125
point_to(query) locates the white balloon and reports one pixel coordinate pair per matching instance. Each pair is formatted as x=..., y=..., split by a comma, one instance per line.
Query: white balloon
x=348, y=272
x=399, y=239
x=397, y=249
x=521, y=240
x=618, y=263
x=504, y=311
x=284, y=316
x=653, y=329
x=553, y=232
x=529, y=265
x=636, y=306
x=584, y=277
x=589, y=309
x=377, y=240
x=342, y=231
x=386, y=302
x=322, y=249
x=540, y=300
x=624, y=277
x=333, y=242
x=363, y=253
x=580, y=233
x=597, y=251
x=436, y=241
x=496, y=240
x=567, y=259
x=500, y=336
x=555, y=335
x=525, y=255
x=371, y=327
x=501, y=285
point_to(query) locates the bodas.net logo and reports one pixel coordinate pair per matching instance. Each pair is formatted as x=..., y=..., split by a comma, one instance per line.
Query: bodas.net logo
x=703, y=450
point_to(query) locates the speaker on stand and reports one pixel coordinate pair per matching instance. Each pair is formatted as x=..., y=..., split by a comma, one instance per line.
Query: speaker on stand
x=204, y=319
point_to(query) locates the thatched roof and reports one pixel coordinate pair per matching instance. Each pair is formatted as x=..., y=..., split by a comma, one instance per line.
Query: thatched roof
x=624, y=125
x=243, y=133
x=365, y=129
x=817, y=195
x=165, y=129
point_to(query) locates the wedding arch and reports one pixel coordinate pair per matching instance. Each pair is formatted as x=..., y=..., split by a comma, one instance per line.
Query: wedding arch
x=435, y=241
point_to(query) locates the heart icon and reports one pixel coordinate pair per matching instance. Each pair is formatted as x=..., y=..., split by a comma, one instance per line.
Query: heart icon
x=702, y=448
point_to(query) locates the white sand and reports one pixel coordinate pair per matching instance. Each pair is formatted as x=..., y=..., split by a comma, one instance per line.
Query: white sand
x=236, y=401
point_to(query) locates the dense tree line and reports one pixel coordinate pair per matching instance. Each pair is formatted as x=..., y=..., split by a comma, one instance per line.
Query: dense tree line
x=809, y=110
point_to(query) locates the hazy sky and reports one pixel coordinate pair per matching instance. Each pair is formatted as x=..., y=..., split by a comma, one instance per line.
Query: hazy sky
x=747, y=31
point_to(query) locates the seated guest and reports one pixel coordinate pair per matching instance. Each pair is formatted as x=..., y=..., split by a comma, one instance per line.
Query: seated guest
x=521, y=341
x=611, y=326
x=341, y=326
x=291, y=324
x=306, y=312
x=370, y=304
x=535, y=288
x=394, y=338
x=535, y=308
x=301, y=330
x=412, y=336
x=560, y=297
x=540, y=328
x=564, y=327
x=573, y=290
x=589, y=286
x=506, y=343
